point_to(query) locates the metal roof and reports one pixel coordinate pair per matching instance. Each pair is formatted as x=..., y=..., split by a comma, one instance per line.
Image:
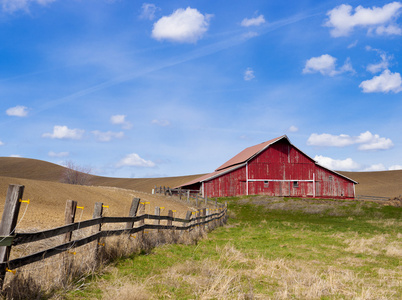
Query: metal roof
x=249, y=153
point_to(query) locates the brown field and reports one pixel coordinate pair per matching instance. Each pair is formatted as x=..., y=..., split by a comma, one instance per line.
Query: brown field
x=48, y=196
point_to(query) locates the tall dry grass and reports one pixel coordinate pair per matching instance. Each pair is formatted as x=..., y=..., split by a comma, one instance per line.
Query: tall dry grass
x=68, y=271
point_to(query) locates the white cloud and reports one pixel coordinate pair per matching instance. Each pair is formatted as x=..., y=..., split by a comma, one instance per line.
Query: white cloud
x=343, y=20
x=326, y=65
x=11, y=6
x=107, y=136
x=121, y=120
x=330, y=140
x=382, y=65
x=293, y=129
x=17, y=111
x=388, y=30
x=383, y=83
x=63, y=132
x=15, y=155
x=1, y=143
x=375, y=167
x=183, y=25
x=371, y=141
x=366, y=141
x=148, y=11
x=257, y=21
x=395, y=167
x=337, y=164
x=163, y=123
x=249, y=74
x=59, y=154
x=134, y=160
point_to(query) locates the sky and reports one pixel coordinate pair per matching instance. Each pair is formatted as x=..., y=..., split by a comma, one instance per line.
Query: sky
x=168, y=88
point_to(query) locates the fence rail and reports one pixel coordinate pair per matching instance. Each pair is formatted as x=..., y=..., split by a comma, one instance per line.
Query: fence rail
x=192, y=196
x=10, y=214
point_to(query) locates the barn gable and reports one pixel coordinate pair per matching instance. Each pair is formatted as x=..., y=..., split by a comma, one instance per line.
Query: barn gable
x=275, y=168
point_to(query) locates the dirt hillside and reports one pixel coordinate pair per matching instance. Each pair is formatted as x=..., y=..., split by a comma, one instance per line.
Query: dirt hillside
x=382, y=183
x=41, y=170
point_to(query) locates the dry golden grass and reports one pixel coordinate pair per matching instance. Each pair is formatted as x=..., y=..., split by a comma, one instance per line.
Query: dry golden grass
x=383, y=183
x=48, y=200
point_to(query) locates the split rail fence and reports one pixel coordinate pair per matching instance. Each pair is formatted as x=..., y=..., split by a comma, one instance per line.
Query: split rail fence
x=9, y=238
x=192, y=196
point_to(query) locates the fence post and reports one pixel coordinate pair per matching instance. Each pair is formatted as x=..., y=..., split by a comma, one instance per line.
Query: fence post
x=203, y=214
x=98, y=211
x=170, y=214
x=188, y=217
x=141, y=211
x=188, y=196
x=69, y=217
x=133, y=212
x=196, y=201
x=9, y=222
x=157, y=213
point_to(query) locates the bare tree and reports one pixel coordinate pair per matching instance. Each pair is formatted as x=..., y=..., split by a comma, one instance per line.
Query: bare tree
x=75, y=174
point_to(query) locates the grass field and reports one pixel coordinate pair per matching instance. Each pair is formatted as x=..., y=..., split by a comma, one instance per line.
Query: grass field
x=271, y=248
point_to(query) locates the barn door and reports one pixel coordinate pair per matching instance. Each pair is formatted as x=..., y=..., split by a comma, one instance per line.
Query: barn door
x=285, y=188
x=317, y=189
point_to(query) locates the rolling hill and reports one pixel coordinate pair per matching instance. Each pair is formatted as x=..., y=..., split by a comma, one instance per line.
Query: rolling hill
x=382, y=183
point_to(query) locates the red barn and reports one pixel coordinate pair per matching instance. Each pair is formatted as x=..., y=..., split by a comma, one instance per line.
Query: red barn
x=274, y=168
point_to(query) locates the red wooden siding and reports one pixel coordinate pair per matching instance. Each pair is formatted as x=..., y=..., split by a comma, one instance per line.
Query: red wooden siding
x=279, y=169
x=227, y=185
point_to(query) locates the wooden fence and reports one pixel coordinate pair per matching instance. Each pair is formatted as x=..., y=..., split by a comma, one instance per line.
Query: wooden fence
x=9, y=238
x=192, y=196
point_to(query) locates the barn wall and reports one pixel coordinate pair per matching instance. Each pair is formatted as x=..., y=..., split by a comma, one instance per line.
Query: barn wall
x=280, y=171
x=227, y=185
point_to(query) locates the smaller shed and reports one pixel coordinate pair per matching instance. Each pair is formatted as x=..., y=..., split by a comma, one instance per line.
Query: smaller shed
x=274, y=168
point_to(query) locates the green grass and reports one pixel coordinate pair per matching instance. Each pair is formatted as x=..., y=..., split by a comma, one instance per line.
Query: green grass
x=272, y=248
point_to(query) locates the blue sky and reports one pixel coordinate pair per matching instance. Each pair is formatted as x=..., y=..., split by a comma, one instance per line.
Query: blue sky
x=167, y=88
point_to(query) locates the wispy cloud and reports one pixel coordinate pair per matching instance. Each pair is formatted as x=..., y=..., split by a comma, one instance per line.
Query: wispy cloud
x=58, y=154
x=11, y=6
x=257, y=21
x=107, y=136
x=148, y=11
x=249, y=74
x=17, y=111
x=134, y=160
x=121, y=120
x=163, y=123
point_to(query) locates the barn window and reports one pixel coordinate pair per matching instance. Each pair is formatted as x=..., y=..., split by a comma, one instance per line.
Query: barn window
x=330, y=177
x=295, y=184
x=266, y=183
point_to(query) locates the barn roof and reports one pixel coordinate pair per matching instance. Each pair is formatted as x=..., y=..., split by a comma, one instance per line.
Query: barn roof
x=247, y=154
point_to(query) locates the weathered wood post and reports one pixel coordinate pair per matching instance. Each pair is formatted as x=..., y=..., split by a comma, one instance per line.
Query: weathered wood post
x=170, y=214
x=98, y=211
x=216, y=202
x=188, y=217
x=188, y=196
x=141, y=211
x=8, y=223
x=157, y=213
x=203, y=214
x=196, y=201
x=69, y=217
x=180, y=193
x=133, y=212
